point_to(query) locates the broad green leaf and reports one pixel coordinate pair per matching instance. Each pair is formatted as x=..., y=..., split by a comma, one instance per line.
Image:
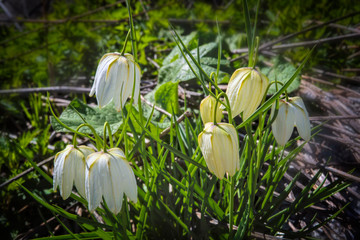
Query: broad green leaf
x=281, y=71
x=176, y=68
x=92, y=115
x=166, y=96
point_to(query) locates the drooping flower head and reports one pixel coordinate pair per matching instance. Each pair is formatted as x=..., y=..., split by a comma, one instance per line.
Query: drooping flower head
x=207, y=110
x=109, y=175
x=245, y=91
x=290, y=114
x=69, y=170
x=114, y=80
x=219, y=145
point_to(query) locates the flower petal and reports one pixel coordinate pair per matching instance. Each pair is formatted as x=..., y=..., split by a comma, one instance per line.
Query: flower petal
x=79, y=172
x=206, y=147
x=302, y=121
x=283, y=125
x=137, y=82
x=93, y=188
x=121, y=78
x=130, y=187
x=234, y=89
x=68, y=175
x=232, y=148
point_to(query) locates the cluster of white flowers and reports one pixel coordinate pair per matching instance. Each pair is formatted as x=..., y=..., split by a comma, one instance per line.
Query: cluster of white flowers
x=95, y=175
x=104, y=174
x=219, y=141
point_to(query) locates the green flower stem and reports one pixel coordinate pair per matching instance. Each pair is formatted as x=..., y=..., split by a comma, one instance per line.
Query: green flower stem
x=107, y=127
x=228, y=107
x=212, y=74
x=219, y=52
x=110, y=135
x=97, y=138
x=133, y=37
x=231, y=211
x=256, y=51
x=248, y=32
x=125, y=43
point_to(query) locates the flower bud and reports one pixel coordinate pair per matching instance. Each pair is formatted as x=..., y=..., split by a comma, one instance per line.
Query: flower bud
x=245, y=91
x=114, y=80
x=207, y=110
x=290, y=114
x=219, y=145
x=109, y=175
x=69, y=170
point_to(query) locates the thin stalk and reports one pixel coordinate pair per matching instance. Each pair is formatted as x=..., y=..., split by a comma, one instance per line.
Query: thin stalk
x=227, y=106
x=97, y=137
x=104, y=138
x=125, y=43
x=219, y=54
x=248, y=32
x=231, y=213
x=255, y=43
x=110, y=135
x=256, y=50
x=133, y=36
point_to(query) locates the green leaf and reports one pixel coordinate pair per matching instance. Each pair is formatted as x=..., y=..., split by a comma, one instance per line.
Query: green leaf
x=282, y=71
x=176, y=68
x=92, y=115
x=166, y=97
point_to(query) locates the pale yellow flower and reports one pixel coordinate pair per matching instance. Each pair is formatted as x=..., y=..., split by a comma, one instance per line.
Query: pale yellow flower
x=219, y=145
x=245, y=91
x=207, y=110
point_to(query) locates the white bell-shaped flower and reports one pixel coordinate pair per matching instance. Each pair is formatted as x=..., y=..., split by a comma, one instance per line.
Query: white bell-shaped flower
x=219, y=145
x=207, y=110
x=69, y=169
x=109, y=175
x=114, y=80
x=245, y=91
x=290, y=114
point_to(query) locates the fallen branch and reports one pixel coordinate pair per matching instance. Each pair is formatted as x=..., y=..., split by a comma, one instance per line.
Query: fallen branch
x=330, y=83
x=63, y=89
x=27, y=171
x=289, y=36
x=300, y=44
x=324, y=118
